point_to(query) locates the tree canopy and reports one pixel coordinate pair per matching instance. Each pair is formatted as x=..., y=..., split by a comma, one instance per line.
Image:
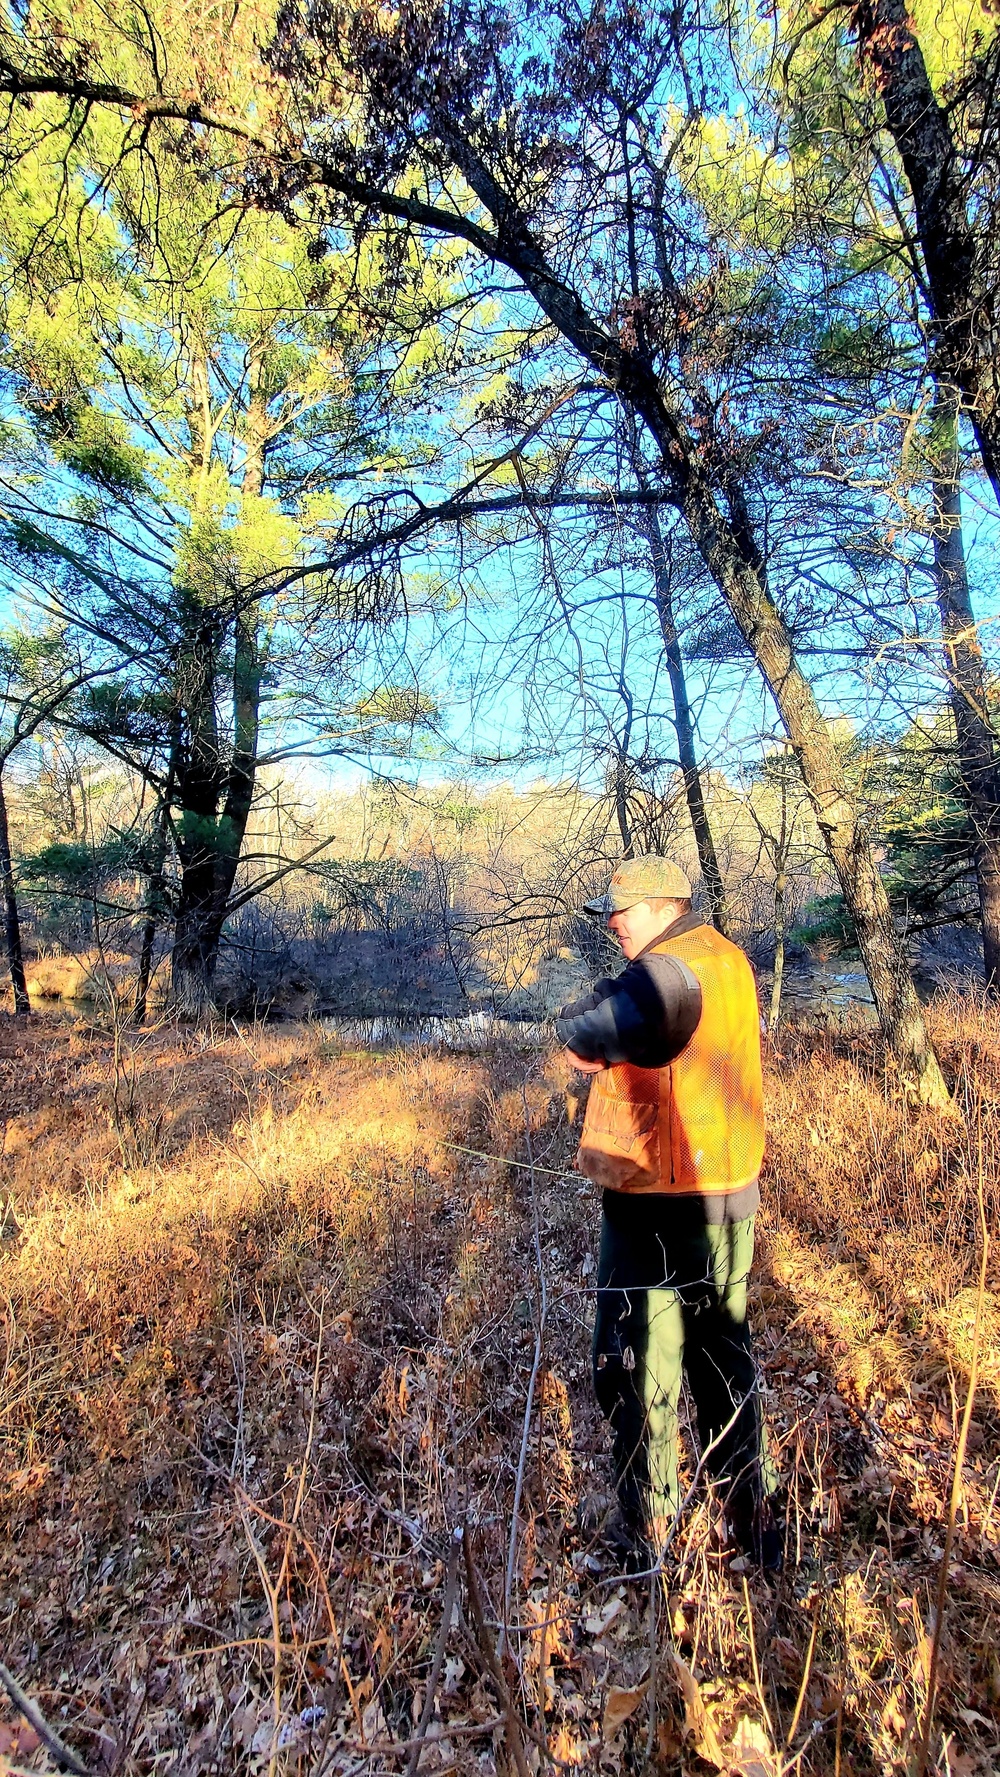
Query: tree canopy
x=337, y=336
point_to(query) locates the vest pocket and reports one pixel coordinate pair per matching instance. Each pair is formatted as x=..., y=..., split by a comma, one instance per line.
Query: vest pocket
x=620, y=1147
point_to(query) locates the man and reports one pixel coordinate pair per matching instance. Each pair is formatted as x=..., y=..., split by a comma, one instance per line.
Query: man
x=674, y=1133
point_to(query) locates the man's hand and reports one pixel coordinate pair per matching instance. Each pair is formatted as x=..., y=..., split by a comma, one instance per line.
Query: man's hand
x=586, y=1067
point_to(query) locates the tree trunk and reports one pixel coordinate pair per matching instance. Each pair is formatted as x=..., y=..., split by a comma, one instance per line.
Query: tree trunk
x=620, y=787
x=684, y=726
x=150, y=924
x=199, y=781
x=963, y=299
x=154, y=909
x=211, y=851
x=978, y=751
x=156, y=880
x=727, y=546
x=12, y=917
x=723, y=546
x=215, y=800
x=195, y=951
x=779, y=949
x=213, y=835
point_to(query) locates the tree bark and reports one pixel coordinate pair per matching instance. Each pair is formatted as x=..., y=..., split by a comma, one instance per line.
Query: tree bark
x=12, y=917
x=214, y=798
x=215, y=806
x=782, y=846
x=729, y=551
x=962, y=299
x=779, y=949
x=619, y=770
x=620, y=788
x=199, y=777
x=154, y=909
x=849, y=847
x=684, y=725
x=156, y=881
x=976, y=738
x=725, y=541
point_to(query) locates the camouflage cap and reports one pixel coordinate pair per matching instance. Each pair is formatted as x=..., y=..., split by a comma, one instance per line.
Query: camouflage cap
x=645, y=878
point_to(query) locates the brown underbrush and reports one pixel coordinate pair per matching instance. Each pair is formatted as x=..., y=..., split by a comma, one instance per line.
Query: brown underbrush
x=274, y=1334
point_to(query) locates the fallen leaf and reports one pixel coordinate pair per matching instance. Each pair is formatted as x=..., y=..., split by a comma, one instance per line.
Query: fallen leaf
x=750, y=1753
x=620, y=1705
x=892, y=1716
x=19, y=1739
x=373, y=1721
x=383, y=1649
x=28, y=1480
x=961, y=1764
x=596, y=1624
x=264, y=1736
x=698, y=1722
x=668, y=1741
x=568, y=1749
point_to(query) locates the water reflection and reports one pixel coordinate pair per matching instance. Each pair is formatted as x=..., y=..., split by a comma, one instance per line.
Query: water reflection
x=825, y=987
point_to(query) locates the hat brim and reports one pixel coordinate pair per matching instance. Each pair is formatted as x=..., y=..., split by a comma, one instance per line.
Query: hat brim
x=604, y=905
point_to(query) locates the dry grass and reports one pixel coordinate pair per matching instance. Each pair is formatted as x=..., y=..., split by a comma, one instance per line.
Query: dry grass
x=92, y=975
x=269, y=1340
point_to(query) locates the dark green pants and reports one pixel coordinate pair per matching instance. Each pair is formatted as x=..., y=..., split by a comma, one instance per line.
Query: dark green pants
x=672, y=1299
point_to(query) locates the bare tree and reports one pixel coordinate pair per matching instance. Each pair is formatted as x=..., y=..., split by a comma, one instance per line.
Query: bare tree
x=39, y=679
x=948, y=156
x=562, y=162
x=694, y=790
x=975, y=734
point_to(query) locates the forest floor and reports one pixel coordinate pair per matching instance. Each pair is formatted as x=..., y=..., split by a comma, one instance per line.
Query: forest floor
x=273, y=1333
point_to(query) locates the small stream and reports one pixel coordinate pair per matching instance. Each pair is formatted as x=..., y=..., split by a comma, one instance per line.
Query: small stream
x=823, y=987
x=818, y=988
x=815, y=987
x=461, y=1034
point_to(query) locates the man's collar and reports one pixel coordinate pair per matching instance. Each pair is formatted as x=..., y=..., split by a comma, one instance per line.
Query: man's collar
x=686, y=922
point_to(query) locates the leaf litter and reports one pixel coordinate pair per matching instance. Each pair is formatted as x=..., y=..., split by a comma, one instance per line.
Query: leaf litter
x=253, y=1386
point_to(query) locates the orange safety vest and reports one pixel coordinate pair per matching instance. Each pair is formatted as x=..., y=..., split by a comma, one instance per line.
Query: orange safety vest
x=695, y=1127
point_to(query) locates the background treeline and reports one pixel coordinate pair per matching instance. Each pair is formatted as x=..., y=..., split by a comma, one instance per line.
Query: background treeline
x=455, y=896
x=600, y=393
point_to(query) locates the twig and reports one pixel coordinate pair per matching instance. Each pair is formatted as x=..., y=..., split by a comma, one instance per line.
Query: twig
x=807, y=1669
x=300, y=1491
x=818, y=1727
x=271, y=1594
x=654, y=1587
x=227, y=1647
x=956, y=1490
x=529, y=1403
x=32, y=1714
x=438, y=1660
x=451, y=1730
x=758, y=1682
x=615, y=1579
x=515, y=1739
x=504, y=1160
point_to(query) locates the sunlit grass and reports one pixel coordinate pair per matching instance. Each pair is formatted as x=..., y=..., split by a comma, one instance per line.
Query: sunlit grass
x=259, y=1362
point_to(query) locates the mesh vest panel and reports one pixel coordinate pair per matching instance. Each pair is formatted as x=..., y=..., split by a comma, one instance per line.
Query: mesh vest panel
x=696, y=1126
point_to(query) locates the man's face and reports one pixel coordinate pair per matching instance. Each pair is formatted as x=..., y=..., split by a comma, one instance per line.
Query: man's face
x=637, y=926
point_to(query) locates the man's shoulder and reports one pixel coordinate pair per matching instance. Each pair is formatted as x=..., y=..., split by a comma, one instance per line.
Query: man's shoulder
x=668, y=968
x=703, y=940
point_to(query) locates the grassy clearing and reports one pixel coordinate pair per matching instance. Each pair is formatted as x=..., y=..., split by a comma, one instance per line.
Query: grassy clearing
x=269, y=1339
